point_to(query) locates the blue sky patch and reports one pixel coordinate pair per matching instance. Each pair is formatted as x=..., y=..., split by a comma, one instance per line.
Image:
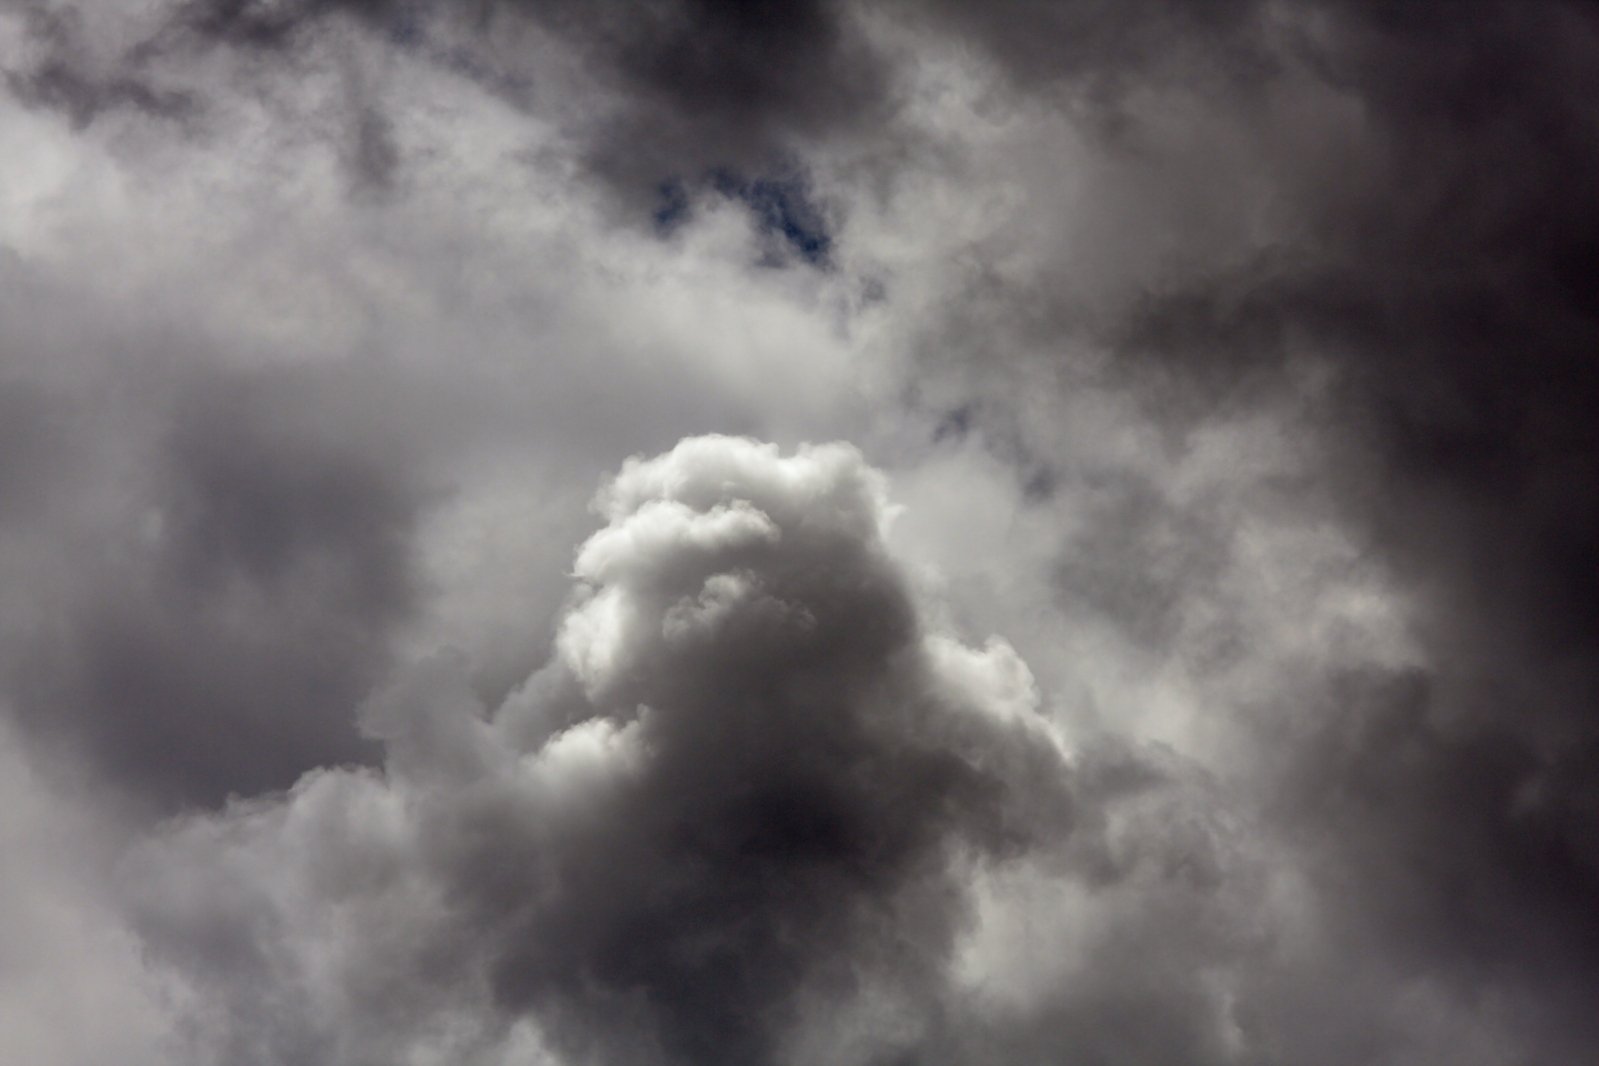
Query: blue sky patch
x=782, y=209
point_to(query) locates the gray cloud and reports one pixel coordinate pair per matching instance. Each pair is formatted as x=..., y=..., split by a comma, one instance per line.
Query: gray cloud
x=1377, y=245
x=759, y=807
x=65, y=74
x=262, y=570
x=682, y=89
x=1234, y=360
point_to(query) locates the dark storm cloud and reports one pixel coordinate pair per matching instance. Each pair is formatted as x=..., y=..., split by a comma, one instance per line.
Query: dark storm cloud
x=1446, y=281
x=1450, y=292
x=686, y=88
x=757, y=782
x=707, y=84
x=263, y=566
x=1473, y=849
x=1442, y=277
x=1431, y=254
x=1463, y=340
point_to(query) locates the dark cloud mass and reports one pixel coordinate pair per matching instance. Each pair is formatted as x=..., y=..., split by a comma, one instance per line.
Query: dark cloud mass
x=1192, y=659
x=759, y=803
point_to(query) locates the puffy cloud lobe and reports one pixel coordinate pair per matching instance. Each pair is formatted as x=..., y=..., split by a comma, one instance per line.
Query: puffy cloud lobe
x=686, y=570
x=766, y=803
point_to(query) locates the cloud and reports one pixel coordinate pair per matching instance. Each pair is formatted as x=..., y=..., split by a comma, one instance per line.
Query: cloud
x=250, y=602
x=66, y=73
x=1231, y=362
x=67, y=944
x=676, y=90
x=1321, y=305
x=754, y=798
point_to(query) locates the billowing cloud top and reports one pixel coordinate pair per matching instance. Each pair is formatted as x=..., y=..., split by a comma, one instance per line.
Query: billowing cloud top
x=1191, y=658
x=748, y=791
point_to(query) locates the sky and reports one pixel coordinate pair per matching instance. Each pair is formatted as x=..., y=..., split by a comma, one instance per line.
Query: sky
x=799, y=533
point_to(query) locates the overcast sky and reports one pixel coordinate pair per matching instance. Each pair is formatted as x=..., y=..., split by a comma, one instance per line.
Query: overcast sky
x=799, y=533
